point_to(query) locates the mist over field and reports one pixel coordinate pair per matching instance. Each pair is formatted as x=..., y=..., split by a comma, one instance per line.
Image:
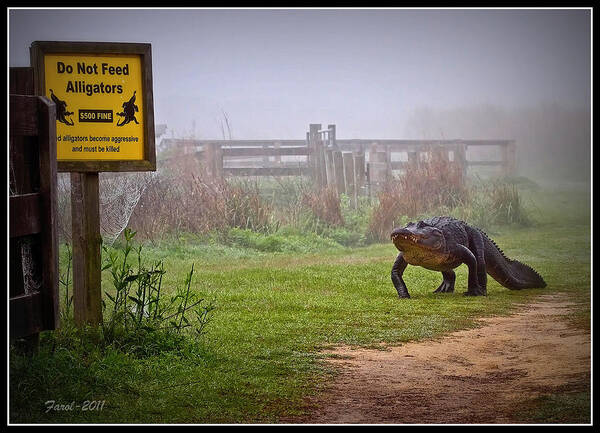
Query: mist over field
x=553, y=141
x=395, y=73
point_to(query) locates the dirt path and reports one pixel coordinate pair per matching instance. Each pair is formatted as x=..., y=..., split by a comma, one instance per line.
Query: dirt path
x=481, y=375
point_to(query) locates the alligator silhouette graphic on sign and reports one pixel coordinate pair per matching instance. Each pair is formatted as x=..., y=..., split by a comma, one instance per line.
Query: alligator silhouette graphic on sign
x=61, y=110
x=129, y=110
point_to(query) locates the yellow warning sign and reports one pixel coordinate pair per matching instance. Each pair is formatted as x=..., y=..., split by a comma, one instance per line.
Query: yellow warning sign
x=99, y=105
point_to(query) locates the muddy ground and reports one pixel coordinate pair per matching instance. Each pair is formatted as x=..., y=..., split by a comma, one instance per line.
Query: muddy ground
x=483, y=375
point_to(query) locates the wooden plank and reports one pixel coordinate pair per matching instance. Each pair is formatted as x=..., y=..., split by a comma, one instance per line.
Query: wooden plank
x=485, y=163
x=26, y=315
x=265, y=151
x=23, y=115
x=21, y=81
x=167, y=142
x=403, y=144
x=85, y=210
x=25, y=215
x=266, y=171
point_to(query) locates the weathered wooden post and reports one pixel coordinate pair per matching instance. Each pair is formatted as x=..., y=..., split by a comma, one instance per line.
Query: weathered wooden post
x=460, y=157
x=331, y=136
x=338, y=168
x=213, y=157
x=311, y=159
x=378, y=167
x=266, y=158
x=315, y=149
x=348, y=163
x=510, y=158
x=277, y=145
x=329, y=168
x=359, y=173
x=85, y=215
x=322, y=161
x=413, y=158
x=209, y=158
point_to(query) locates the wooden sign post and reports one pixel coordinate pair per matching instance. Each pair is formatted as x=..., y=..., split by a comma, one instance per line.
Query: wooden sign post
x=104, y=122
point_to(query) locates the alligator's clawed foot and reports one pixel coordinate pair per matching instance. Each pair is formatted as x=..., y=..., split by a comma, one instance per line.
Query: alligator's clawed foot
x=445, y=288
x=476, y=291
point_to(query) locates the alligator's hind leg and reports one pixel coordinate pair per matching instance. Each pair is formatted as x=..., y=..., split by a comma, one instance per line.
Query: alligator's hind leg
x=447, y=285
x=477, y=247
x=397, y=271
x=467, y=257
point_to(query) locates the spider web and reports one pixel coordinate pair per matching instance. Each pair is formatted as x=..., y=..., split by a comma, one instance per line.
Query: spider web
x=119, y=194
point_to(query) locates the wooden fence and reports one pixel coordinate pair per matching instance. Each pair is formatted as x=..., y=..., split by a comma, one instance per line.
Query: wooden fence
x=33, y=268
x=352, y=166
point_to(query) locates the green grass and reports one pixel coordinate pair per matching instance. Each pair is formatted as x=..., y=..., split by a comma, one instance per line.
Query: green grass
x=275, y=311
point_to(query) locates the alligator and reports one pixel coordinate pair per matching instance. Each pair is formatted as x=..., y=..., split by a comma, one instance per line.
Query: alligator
x=443, y=243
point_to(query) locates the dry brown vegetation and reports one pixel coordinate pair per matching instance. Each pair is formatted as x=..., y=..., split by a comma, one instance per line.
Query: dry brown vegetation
x=186, y=200
x=425, y=185
x=325, y=205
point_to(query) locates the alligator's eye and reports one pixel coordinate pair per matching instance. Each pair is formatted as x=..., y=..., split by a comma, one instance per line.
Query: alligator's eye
x=420, y=224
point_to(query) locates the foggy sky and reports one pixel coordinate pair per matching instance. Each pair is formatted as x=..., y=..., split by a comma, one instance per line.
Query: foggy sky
x=275, y=71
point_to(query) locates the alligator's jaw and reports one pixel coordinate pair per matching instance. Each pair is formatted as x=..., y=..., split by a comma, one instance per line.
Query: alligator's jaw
x=403, y=236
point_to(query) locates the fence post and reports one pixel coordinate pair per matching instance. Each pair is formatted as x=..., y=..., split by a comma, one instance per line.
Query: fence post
x=329, y=170
x=510, y=158
x=359, y=173
x=311, y=159
x=213, y=157
x=316, y=152
x=209, y=158
x=338, y=168
x=378, y=167
x=322, y=162
x=413, y=157
x=460, y=156
x=277, y=145
x=332, y=138
x=85, y=209
x=266, y=159
x=348, y=162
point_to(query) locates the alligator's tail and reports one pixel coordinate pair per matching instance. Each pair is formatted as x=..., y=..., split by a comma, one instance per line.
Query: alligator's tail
x=512, y=274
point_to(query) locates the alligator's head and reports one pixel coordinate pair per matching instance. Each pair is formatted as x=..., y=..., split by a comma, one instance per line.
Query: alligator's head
x=419, y=236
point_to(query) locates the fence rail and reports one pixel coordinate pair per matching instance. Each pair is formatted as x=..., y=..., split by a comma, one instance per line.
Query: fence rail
x=353, y=166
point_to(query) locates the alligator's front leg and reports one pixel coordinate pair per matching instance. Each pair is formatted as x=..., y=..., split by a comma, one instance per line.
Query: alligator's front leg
x=467, y=257
x=397, y=271
x=447, y=285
